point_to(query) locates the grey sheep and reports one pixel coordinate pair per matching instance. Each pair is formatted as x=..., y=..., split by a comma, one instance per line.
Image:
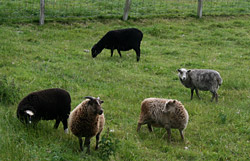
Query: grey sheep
x=166, y=113
x=201, y=79
x=48, y=104
x=122, y=40
x=87, y=120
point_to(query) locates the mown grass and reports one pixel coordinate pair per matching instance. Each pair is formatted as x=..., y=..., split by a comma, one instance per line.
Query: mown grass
x=54, y=55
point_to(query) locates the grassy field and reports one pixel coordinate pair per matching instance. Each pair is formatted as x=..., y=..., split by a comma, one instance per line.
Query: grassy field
x=16, y=11
x=36, y=57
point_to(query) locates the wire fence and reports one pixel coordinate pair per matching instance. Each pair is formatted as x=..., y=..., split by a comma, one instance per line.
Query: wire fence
x=29, y=10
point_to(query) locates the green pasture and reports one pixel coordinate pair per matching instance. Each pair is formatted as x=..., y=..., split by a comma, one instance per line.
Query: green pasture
x=34, y=57
x=16, y=11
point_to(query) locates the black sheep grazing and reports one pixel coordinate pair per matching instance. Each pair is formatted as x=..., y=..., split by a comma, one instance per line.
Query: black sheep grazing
x=122, y=40
x=46, y=104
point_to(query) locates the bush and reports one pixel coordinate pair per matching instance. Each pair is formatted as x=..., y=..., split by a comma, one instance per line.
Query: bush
x=108, y=145
x=9, y=92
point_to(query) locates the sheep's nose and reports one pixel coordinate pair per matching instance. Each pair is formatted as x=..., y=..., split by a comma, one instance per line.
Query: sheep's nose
x=100, y=112
x=30, y=120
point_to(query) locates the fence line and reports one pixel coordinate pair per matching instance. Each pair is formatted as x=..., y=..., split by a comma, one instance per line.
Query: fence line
x=126, y=9
x=29, y=10
x=199, y=10
x=42, y=10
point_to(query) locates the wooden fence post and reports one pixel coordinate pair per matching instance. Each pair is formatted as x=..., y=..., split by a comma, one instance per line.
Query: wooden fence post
x=199, y=11
x=126, y=9
x=42, y=9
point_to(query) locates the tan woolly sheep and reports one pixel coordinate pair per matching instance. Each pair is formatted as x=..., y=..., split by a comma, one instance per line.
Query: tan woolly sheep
x=166, y=113
x=87, y=120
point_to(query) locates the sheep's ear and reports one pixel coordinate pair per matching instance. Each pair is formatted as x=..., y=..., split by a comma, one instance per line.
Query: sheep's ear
x=167, y=108
x=188, y=71
x=170, y=102
x=29, y=112
x=178, y=70
x=101, y=101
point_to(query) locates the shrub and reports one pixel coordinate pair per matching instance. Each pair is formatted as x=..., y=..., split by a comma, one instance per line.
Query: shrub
x=108, y=145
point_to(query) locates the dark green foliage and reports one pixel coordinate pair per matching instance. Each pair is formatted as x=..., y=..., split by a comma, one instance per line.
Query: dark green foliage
x=108, y=145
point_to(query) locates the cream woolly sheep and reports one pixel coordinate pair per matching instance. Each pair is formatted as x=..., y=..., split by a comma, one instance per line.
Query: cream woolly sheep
x=166, y=113
x=87, y=120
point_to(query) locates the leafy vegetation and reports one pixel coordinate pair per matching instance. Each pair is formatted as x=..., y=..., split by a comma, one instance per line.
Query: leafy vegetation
x=57, y=55
x=108, y=145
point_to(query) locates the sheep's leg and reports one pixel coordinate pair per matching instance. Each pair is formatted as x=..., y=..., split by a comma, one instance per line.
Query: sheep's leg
x=197, y=93
x=182, y=136
x=112, y=51
x=87, y=144
x=119, y=53
x=138, y=53
x=169, y=134
x=57, y=123
x=97, y=141
x=150, y=127
x=138, y=127
x=65, y=126
x=214, y=95
x=192, y=93
x=80, y=142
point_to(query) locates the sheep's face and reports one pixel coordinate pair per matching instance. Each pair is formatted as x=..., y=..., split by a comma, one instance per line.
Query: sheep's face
x=95, y=51
x=28, y=116
x=169, y=107
x=96, y=107
x=183, y=74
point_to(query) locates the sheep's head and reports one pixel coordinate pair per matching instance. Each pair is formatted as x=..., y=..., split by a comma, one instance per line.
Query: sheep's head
x=169, y=106
x=183, y=74
x=27, y=115
x=95, y=104
x=95, y=50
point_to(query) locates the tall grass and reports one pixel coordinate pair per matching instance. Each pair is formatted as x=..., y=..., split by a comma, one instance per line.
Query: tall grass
x=56, y=55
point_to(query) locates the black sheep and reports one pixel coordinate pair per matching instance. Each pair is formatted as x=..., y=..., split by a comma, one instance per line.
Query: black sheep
x=122, y=40
x=46, y=104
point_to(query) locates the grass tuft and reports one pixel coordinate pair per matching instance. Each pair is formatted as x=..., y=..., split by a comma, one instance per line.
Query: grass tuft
x=9, y=92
